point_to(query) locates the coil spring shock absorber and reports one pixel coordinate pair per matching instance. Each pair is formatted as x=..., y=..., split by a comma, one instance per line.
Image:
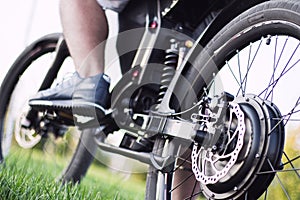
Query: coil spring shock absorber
x=170, y=64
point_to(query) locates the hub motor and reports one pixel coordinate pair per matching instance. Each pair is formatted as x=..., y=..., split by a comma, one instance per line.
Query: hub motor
x=249, y=143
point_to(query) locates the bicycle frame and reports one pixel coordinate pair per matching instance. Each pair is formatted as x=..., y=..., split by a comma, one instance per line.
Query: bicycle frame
x=160, y=121
x=202, y=103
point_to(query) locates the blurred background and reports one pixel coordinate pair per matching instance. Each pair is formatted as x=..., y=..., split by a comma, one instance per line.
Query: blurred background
x=21, y=23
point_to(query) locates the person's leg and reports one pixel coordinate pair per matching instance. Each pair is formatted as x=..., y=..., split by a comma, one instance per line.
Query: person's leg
x=85, y=27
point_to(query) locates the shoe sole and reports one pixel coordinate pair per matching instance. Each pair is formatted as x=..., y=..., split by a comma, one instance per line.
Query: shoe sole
x=85, y=114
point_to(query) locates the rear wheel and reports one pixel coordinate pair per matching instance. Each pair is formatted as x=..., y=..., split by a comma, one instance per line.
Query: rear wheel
x=255, y=61
x=38, y=67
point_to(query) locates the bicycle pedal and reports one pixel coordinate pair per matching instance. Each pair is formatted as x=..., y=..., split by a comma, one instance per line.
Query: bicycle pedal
x=85, y=114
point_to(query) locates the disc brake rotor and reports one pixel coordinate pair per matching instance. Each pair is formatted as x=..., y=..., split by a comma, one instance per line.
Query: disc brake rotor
x=201, y=157
x=247, y=143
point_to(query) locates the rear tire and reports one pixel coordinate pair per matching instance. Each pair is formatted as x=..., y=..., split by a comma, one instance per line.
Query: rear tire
x=13, y=99
x=263, y=28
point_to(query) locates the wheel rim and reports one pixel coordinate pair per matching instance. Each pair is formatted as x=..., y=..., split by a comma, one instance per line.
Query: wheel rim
x=268, y=67
x=260, y=63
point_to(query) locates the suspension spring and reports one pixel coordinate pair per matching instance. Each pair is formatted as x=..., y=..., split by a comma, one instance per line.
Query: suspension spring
x=170, y=64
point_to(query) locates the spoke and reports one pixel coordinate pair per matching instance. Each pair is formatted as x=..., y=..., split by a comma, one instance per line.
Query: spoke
x=240, y=86
x=283, y=117
x=279, y=170
x=281, y=184
x=194, y=188
x=294, y=120
x=274, y=83
x=181, y=183
x=196, y=194
x=253, y=59
x=180, y=167
x=286, y=118
x=284, y=71
x=292, y=160
x=292, y=111
x=291, y=163
x=284, y=45
x=275, y=66
x=183, y=161
x=248, y=64
x=240, y=72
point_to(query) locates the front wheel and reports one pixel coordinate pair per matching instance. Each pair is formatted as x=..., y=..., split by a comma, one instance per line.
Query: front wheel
x=37, y=68
x=254, y=60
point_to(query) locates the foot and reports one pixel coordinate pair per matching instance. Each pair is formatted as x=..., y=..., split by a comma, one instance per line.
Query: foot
x=85, y=98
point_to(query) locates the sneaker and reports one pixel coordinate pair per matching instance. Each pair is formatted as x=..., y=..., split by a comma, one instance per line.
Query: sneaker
x=84, y=98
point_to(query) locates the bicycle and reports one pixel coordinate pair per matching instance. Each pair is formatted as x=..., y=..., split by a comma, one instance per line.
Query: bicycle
x=215, y=108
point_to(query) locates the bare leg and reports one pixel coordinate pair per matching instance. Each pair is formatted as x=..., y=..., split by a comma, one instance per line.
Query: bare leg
x=84, y=26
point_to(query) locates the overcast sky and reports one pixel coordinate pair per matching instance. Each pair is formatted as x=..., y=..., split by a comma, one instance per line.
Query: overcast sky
x=22, y=22
x=25, y=21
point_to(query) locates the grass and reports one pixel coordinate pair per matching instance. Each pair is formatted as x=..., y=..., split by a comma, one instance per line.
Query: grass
x=26, y=175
